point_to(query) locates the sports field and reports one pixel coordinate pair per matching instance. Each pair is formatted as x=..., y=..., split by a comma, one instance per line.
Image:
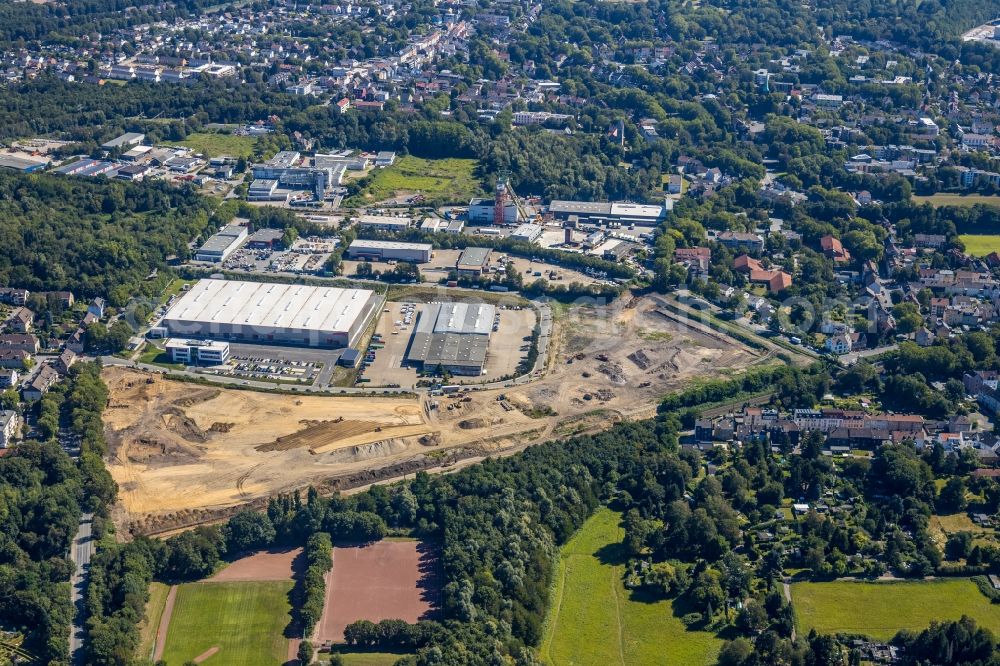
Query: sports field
x=449, y=180
x=880, y=610
x=385, y=580
x=275, y=564
x=980, y=245
x=216, y=144
x=229, y=624
x=593, y=620
x=938, y=200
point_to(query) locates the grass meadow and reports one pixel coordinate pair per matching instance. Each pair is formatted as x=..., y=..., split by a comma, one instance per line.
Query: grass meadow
x=362, y=658
x=880, y=610
x=938, y=200
x=245, y=621
x=981, y=245
x=594, y=620
x=450, y=180
x=151, y=621
x=216, y=144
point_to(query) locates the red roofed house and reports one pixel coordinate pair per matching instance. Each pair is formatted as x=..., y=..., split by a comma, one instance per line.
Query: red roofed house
x=833, y=249
x=776, y=280
x=693, y=257
x=747, y=264
x=779, y=281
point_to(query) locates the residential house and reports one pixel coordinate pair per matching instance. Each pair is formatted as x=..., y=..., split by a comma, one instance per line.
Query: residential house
x=96, y=307
x=14, y=358
x=28, y=343
x=924, y=337
x=65, y=361
x=8, y=378
x=675, y=184
x=76, y=341
x=839, y=344
x=697, y=259
x=40, y=385
x=21, y=320
x=834, y=249
x=984, y=385
x=10, y=426
x=14, y=296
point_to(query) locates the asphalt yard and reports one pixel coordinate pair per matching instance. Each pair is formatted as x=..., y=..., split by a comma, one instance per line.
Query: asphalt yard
x=508, y=345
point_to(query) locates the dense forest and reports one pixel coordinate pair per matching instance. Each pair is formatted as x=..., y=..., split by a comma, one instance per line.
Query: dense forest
x=94, y=237
x=67, y=22
x=44, y=492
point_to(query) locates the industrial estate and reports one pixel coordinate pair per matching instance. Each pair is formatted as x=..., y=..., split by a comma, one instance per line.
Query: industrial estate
x=435, y=333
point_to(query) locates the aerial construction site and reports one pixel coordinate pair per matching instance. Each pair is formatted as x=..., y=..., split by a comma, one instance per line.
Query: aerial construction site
x=185, y=453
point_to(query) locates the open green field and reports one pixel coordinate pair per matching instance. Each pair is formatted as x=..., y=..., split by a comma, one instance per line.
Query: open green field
x=245, y=621
x=154, y=611
x=880, y=610
x=594, y=620
x=215, y=144
x=450, y=180
x=980, y=245
x=360, y=658
x=938, y=200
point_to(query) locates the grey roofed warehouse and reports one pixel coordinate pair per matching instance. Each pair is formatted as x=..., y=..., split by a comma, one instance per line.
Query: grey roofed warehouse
x=453, y=336
x=125, y=140
x=473, y=260
x=383, y=250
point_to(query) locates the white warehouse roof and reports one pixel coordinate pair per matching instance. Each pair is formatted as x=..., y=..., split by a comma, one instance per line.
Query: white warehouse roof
x=636, y=210
x=364, y=243
x=268, y=305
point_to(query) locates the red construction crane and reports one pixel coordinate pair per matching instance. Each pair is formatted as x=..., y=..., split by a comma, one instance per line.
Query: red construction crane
x=501, y=198
x=504, y=195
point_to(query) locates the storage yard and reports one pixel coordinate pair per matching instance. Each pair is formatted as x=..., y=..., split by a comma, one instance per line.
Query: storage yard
x=184, y=453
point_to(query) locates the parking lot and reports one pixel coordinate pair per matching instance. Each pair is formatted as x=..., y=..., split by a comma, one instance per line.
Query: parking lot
x=273, y=369
x=307, y=255
x=387, y=366
x=297, y=365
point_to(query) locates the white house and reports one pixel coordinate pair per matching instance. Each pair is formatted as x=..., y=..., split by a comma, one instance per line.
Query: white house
x=839, y=344
x=10, y=424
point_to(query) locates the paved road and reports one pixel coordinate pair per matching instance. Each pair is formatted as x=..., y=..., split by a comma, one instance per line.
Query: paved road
x=692, y=315
x=80, y=553
x=854, y=357
x=238, y=381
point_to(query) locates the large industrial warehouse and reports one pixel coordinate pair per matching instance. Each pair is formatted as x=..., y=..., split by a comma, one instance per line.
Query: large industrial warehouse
x=379, y=250
x=453, y=336
x=602, y=213
x=263, y=312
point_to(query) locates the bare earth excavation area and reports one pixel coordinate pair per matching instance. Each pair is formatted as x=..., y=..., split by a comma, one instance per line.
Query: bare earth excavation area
x=185, y=454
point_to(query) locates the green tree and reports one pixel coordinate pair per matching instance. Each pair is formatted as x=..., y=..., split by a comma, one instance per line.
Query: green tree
x=952, y=499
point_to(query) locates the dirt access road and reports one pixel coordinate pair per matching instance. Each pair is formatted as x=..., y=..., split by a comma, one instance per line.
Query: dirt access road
x=186, y=454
